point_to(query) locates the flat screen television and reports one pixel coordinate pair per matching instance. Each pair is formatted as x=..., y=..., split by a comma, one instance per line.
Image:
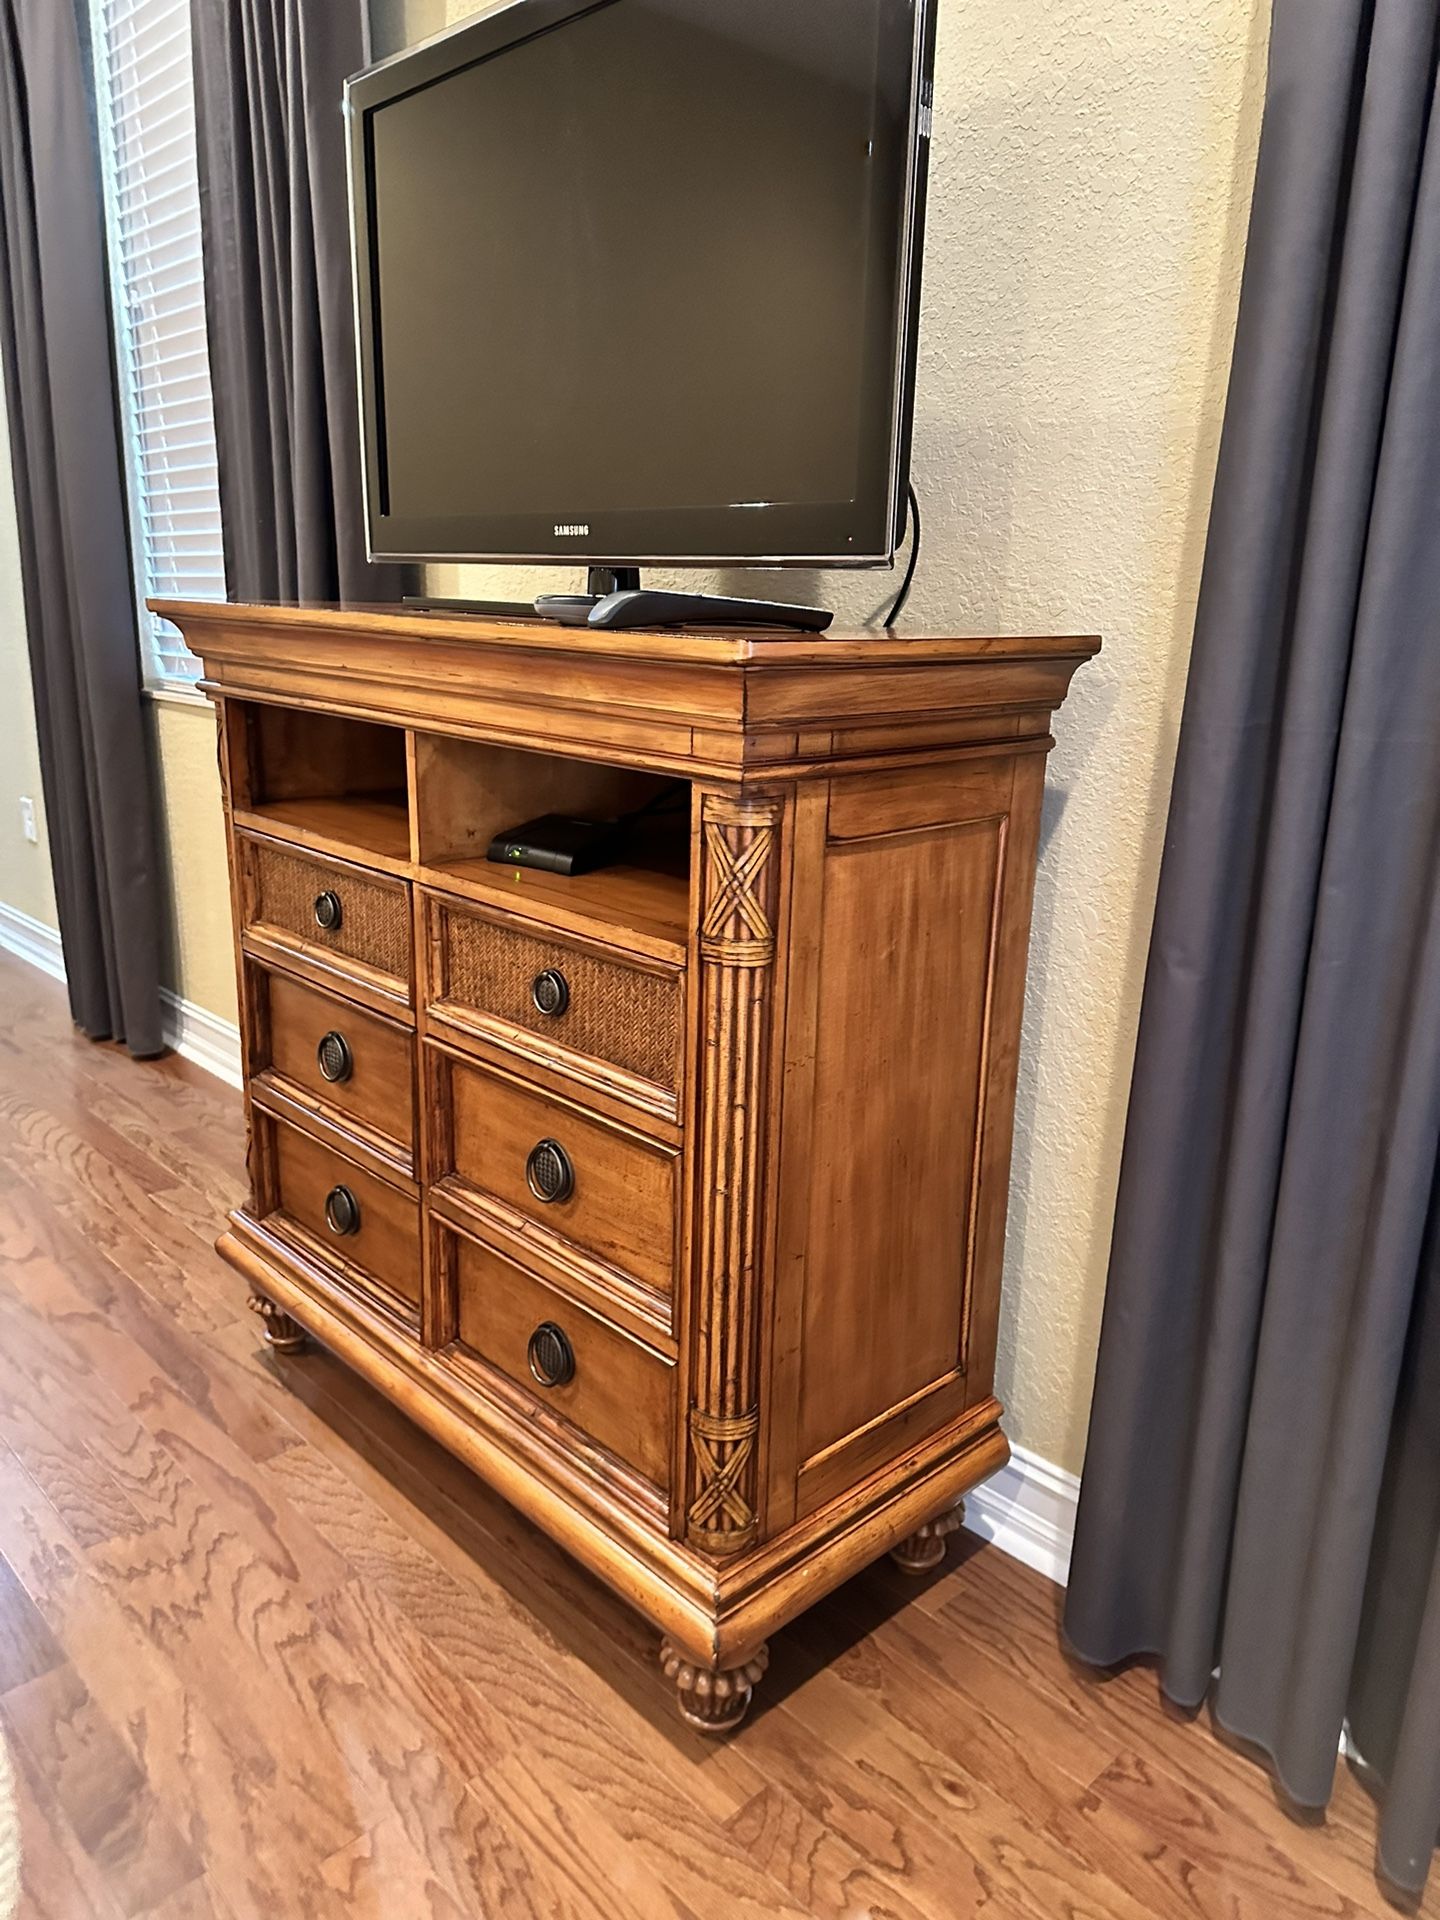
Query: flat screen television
x=638, y=282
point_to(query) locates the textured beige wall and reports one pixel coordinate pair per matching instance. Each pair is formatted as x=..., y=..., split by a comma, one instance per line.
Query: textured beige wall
x=25, y=882
x=202, y=956
x=1093, y=161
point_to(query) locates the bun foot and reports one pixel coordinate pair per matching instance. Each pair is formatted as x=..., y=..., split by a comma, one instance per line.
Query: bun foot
x=281, y=1332
x=925, y=1548
x=712, y=1702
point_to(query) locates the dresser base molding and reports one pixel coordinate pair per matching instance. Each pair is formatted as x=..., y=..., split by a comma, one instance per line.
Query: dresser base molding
x=716, y=1615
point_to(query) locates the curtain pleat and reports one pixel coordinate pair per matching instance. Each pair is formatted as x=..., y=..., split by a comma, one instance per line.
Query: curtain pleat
x=1259, y=1497
x=275, y=215
x=74, y=544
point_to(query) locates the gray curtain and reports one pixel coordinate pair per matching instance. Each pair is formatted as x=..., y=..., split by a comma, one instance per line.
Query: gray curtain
x=1262, y=1489
x=80, y=607
x=275, y=213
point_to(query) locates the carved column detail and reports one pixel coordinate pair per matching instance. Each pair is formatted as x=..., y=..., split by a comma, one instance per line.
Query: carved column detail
x=740, y=902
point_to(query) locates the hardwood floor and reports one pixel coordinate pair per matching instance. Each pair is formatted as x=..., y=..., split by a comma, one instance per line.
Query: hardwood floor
x=265, y=1651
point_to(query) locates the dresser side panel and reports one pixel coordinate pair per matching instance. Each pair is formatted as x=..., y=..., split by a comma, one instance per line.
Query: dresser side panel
x=888, y=1213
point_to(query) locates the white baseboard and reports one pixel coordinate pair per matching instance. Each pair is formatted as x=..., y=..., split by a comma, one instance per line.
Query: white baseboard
x=1028, y=1511
x=210, y=1042
x=193, y=1033
x=31, y=940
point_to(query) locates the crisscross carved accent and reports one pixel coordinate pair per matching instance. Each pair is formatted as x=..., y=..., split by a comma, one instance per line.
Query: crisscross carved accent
x=737, y=876
x=721, y=1517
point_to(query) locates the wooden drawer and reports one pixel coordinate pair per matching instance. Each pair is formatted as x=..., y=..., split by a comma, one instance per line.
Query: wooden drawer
x=619, y=1392
x=611, y=1022
x=327, y=917
x=384, y=1242
x=358, y=1067
x=622, y=1201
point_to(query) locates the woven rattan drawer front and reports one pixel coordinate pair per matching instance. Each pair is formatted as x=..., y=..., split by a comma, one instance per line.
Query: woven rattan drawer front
x=329, y=907
x=572, y=998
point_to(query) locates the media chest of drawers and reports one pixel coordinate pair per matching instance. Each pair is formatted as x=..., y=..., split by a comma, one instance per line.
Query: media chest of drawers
x=671, y=1198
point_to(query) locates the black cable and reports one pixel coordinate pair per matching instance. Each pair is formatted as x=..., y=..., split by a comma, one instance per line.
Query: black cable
x=904, y=593
x=665, y=801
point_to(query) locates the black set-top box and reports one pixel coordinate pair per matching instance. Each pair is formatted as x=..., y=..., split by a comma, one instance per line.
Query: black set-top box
x=556, y=843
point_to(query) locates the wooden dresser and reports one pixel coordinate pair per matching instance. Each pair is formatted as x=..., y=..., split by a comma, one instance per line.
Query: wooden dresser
x=671, y=1197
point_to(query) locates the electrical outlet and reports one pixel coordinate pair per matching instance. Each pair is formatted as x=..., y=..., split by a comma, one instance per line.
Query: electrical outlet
x=27, y=820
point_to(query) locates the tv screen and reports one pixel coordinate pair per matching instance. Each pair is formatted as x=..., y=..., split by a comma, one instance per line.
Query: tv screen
x=637, y=281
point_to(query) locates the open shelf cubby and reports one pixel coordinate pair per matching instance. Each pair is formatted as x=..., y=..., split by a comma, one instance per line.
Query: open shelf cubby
x=350, y=788
x=467, y=793
x=325, y=781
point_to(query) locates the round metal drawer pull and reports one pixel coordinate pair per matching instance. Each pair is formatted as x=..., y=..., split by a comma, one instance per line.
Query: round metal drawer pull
x=551, y=992
x=552, y=1358
x=329, y=911
x=549, y=1172
x=337, y=1063
x=342, y=1212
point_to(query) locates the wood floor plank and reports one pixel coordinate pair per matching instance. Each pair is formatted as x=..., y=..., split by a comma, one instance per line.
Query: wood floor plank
x=484, y=1860
x=56, y=1123
x=180, y=1098
x=124, y=1336
x=141, y=1111
x=441, y=1584
x=824, y=1873
x=58, y=1879
x=932, y=1833
x=381, y=1875
x=468, y=1724
x=67, y=1429
x=925, y=1678
x=258, y=1813
x=1188, y=1856
x=133, y=1151
x=201, y=1900
x=234, y=1629
x=112, y=1468
x=581, y=1838
x=1128, y=1714
x=106, y=1208
x=392, y=1740
x=498, y=1709
x=408, y=1727
x=1033, y=1738
x=100, y=1789
x=277, y=1532
x=27, y=1646
x=610, y=1801
x=492, y=1594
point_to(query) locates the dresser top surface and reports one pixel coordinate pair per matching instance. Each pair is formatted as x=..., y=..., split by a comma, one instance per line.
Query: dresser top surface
x=729, y=704
x=718, y=647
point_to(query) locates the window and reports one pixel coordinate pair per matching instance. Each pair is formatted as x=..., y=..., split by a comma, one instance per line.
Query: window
x=146, y=110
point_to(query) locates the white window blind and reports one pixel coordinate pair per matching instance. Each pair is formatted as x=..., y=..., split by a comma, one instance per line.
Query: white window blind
x=146, y=103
